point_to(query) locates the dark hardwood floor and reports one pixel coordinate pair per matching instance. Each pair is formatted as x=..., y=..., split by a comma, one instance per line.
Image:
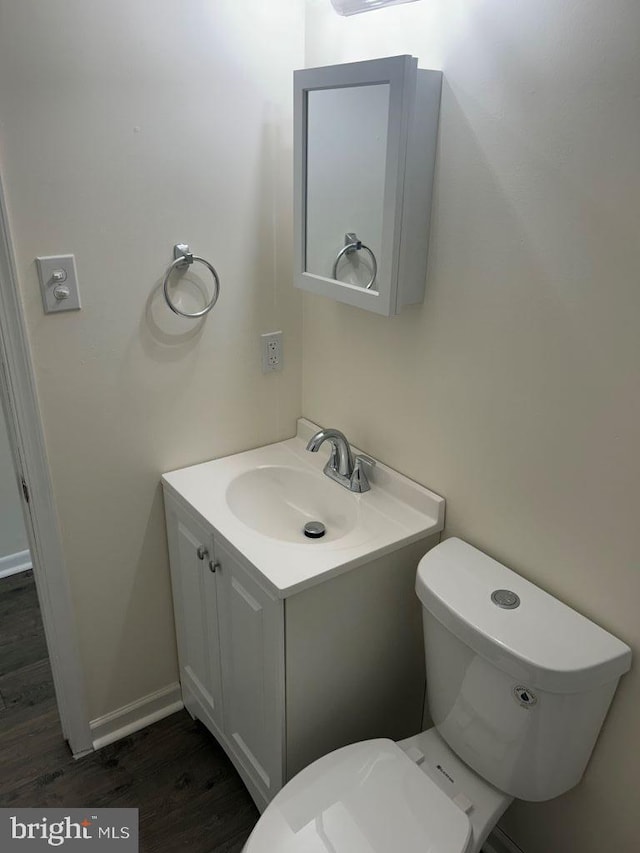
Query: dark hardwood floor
x=188, y=793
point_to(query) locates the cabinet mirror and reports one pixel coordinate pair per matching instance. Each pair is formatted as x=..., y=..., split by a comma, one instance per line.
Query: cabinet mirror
x=365, y=141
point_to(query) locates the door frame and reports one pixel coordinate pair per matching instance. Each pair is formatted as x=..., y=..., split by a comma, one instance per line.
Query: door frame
x=26, y=438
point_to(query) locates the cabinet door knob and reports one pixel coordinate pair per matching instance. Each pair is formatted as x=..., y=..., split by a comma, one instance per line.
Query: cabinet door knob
x=214, y=565
x=202, y=552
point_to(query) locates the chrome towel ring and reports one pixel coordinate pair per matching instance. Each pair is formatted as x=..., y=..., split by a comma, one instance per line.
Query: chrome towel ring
x=353, y=244
x=184, y=258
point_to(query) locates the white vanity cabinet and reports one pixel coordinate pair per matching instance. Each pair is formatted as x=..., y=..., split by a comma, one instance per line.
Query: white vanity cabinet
x=230, y=650
x=281, y=681
x=291, y=647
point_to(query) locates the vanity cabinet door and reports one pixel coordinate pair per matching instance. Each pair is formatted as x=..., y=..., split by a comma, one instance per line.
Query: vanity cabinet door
x=252, y=654
x=195, y=607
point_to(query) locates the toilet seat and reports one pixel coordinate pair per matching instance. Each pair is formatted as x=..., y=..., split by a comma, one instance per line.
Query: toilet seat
x=365, y=798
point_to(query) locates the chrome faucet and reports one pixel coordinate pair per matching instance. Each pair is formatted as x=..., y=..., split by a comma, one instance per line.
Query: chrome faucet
x=342, y=466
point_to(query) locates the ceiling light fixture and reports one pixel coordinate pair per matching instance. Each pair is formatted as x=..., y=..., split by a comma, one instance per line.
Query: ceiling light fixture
x=354, y=7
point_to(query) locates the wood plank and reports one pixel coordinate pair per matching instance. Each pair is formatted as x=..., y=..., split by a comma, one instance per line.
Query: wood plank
x=174, y=772
x=28, y=686
x=22, y=640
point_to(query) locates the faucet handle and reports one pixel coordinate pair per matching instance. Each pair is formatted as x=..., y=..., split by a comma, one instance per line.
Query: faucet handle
x=359, y=479
x=367, y=460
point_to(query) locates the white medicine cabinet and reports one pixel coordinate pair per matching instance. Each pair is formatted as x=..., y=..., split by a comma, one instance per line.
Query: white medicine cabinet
x=365, y=136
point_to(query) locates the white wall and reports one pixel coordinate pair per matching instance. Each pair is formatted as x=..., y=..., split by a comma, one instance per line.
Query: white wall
x=13, y=537
x=125, y=127
x=513, y=391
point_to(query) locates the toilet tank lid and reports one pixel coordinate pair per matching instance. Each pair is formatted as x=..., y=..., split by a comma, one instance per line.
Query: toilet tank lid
x=541, y=640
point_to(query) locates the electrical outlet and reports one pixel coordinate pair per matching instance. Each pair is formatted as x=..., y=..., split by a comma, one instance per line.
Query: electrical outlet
x=271, y=351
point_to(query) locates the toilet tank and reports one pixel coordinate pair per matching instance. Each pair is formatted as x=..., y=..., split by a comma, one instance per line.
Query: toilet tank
x=518, y=684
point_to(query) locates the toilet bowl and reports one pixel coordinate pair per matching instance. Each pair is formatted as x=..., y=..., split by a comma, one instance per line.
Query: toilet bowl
x=377, y=795
x=518, y=686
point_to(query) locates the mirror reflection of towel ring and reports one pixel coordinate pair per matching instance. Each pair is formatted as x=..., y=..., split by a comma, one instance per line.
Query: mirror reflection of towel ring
x=353, y=244
x=184, y=258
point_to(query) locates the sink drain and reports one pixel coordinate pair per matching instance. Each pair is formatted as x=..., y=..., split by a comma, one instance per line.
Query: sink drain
x=314, y=530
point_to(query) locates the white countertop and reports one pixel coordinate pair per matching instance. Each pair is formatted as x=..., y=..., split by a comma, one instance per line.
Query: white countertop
x=395, y=512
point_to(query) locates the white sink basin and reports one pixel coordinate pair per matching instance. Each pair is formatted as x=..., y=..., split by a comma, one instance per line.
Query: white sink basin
x=260, y=500
x=277, y=501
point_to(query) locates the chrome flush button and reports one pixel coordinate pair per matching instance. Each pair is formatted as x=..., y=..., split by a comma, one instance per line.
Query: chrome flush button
x=505, y=598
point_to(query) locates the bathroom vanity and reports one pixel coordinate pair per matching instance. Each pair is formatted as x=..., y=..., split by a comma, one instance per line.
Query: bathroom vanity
x=291, y=647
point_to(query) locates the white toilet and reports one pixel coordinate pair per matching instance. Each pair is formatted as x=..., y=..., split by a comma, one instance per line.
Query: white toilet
x=518, y=684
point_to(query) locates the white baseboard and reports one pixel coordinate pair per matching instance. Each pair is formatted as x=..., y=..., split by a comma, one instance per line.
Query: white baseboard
x=499, y=842
x=137, y=715
x=14, y=563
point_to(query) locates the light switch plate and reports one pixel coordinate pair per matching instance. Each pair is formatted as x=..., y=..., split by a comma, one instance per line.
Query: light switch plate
x=58, y=283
